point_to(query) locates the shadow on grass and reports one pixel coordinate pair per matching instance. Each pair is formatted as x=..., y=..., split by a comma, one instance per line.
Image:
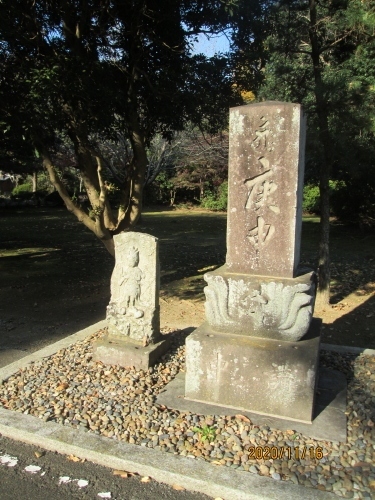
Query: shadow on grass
x=21, y=253
x=352, y=257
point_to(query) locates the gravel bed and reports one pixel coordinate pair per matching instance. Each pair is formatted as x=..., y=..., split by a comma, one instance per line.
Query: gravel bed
x=119, y=403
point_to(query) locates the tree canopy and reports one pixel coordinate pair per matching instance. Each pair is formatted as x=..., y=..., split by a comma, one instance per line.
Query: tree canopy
x=320, y=54
x=87, y=71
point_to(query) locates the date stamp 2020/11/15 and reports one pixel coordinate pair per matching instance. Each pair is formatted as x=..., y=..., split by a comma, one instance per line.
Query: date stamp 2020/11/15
x=288, y=452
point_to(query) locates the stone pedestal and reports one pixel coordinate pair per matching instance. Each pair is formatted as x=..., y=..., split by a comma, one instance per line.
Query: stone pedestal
x=265, y=376
x=133, y=314
x=112, y=351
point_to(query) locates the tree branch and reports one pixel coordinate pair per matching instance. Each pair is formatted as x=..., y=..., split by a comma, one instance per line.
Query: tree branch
x=60, y=188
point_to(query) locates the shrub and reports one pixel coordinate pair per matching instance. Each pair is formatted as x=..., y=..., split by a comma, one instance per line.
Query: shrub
x=311, y=199
x=160, y=191
x=216, y=201
x=23, y=191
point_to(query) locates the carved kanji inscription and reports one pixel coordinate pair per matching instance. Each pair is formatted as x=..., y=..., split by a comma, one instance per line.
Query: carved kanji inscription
x=261, y=188
x=265, y=187
x=261, y=234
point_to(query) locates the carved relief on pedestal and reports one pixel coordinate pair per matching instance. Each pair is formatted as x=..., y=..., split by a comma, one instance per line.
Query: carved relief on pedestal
x=288, y=308
x=125, y=312
x=247, y=306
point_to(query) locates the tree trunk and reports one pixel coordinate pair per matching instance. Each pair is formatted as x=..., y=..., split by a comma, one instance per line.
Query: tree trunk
x=130, y=215
x=35, y=181
x=101, y=220
x=323, y=293
x=201, y=190
x=94, y=225
x=172, y=197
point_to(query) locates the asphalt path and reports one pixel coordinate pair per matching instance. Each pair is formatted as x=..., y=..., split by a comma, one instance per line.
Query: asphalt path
x=46, y=484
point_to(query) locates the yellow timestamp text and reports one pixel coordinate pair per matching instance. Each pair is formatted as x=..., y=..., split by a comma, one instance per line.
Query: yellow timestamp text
x=288, y=452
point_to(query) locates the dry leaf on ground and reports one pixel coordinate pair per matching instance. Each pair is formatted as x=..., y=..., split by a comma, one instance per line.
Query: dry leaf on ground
x=73, y=458
x=178, y=487
x=243, y=418
x=145, y=479
x=123, y=473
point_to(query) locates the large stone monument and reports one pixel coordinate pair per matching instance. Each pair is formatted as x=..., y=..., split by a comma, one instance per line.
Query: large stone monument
x=133, y=313
x=258, y=350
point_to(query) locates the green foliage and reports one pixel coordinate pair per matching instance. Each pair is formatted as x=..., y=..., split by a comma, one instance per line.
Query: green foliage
x=161, y=190
x=355, y=202
x=80, y=79
x=206, y=433
x=63, y=70
x=339, y=84
x=311, y=199
x=43, y=182
x=165, y=184
x=95, y=212
x=216, y=201
x=349, y=201
x=22, y=190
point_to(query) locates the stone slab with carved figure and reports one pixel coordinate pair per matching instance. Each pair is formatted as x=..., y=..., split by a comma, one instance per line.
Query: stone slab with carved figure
x=133, y=314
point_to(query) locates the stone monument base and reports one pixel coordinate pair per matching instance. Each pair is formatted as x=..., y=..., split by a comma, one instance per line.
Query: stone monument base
x=329, y=423
x=264, y=376
x=113, y=351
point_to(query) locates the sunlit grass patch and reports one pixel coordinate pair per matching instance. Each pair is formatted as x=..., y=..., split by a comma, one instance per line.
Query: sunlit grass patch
x=27, y=252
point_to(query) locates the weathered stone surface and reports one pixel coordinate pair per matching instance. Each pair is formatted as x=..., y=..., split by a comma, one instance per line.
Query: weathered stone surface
x=134, y=307
x=257, y=306
x=258, y=350
x=329, y=423
x=111, y=351
x=266, y=166
x=133, y=313
x=263, y=376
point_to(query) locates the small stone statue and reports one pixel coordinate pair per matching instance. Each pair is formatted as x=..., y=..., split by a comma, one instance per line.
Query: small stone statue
x=130, y=285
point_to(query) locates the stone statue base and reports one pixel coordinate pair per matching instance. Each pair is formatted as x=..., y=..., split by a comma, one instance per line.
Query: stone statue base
x=265, y=376
x=127, y=352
